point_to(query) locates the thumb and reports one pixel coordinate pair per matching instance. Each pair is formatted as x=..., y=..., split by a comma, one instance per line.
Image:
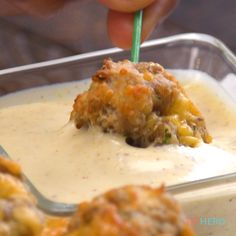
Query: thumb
x=126, y=5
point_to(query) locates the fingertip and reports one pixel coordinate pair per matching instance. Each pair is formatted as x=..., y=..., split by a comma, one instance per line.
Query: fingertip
x=120, y=28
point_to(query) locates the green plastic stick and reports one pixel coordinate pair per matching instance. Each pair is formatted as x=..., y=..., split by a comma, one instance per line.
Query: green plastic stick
x=136, y=36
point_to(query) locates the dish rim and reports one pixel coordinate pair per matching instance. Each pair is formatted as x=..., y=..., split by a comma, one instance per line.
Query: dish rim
x=196, y=37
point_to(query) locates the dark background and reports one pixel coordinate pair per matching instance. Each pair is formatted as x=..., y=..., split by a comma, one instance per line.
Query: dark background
x=71, y=31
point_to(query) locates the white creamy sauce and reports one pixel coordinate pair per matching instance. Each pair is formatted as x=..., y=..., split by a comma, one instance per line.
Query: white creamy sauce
x=70, y=165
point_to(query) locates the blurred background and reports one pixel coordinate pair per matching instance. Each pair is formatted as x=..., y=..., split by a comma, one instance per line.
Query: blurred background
x=25, y=40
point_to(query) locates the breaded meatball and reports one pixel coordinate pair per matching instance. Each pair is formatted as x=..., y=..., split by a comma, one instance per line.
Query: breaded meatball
x=130, y=211
x=141, y=101
x=18, y=213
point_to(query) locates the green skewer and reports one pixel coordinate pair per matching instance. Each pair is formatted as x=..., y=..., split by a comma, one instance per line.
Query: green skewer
x=136, y=36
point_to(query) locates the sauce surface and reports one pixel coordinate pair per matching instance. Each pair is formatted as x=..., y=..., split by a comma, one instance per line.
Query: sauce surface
x=71, y=165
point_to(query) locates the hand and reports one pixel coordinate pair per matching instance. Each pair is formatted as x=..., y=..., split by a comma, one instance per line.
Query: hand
x=38, y=7
x=121, y=17
x=30, y=7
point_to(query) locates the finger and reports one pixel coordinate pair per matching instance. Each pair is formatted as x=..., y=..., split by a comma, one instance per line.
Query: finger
x=120, y=28
x=155, y=14
x=8, y=8
x=120, y=25
x=38, y=7
x=126, y=5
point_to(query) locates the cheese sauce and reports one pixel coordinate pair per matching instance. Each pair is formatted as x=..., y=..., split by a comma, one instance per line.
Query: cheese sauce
x=70, y=165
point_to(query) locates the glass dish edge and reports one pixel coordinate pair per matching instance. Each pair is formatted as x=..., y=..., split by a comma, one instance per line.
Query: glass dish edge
x=198, y=37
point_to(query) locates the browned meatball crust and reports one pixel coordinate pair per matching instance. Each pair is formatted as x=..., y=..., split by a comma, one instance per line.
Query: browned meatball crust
x=18, y=213
x=141, y=101
x=130, y=211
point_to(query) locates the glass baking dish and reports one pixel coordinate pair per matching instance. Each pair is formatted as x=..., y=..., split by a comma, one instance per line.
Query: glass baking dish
x=186, y=51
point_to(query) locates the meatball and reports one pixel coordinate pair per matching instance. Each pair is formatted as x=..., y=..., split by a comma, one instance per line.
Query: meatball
x=142, y=102
x=130, y=211
x=18, y=213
